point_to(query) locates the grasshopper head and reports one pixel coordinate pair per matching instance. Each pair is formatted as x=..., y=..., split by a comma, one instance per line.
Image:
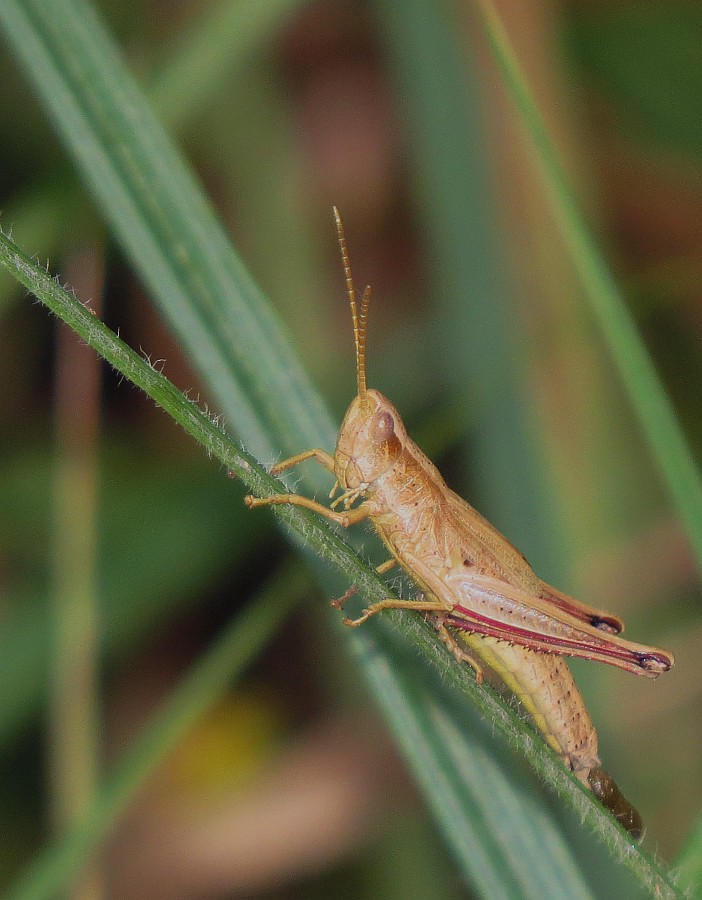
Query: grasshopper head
x=371, y=436
x=370, y=440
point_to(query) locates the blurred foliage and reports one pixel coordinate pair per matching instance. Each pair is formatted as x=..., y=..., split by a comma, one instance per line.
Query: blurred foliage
x=319, y=108
x=645, y=61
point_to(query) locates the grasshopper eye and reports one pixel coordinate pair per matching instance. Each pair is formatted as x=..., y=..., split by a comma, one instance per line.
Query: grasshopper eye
x=383, y=428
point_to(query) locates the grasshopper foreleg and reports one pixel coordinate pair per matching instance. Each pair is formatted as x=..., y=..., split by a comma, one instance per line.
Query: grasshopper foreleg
x=346, y=518
x=350, y=517
x=323, y=458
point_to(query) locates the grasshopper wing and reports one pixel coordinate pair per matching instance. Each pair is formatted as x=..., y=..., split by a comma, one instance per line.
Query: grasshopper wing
x=598, y=618
x=491, y=607
x=500, y=555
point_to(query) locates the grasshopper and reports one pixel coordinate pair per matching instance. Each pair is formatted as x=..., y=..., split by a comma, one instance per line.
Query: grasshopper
x=486, y=602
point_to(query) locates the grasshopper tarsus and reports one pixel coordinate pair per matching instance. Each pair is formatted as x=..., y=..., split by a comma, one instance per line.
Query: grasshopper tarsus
x=354, y=623
x=340, y=602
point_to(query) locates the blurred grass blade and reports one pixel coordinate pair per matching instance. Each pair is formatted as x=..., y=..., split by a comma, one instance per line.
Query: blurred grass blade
x=447, y=775
x=500, y=847
x=149, y=571
x=441, y=106
x=209, y=678
x=75, y=698
x=165, y=223
x=688, y=865
x=215, y=44
x=646, y=392
x=161, y=217
x=212, y=48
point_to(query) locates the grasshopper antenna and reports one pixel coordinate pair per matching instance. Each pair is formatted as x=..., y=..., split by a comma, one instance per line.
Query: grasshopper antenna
x=359, y=317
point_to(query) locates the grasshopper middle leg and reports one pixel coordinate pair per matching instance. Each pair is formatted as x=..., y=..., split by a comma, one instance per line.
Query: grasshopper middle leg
x=339, y=602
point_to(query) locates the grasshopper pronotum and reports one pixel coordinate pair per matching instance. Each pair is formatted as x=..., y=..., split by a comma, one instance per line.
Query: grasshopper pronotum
x=482, y=596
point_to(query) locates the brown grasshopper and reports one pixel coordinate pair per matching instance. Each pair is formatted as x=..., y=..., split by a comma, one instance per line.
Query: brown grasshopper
x=480, y=593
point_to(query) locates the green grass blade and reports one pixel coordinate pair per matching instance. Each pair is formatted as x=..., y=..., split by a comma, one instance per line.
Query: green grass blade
x=209, y=678
x=470, y=323
x=230, y=33
x=646, y=392
x=688, y=865
x=430, y=757
x=494, y=838
x=165, y=223
x=221, y=40
x=173, y=238
x=441, y=107
x=39, y=216
x=188, y=75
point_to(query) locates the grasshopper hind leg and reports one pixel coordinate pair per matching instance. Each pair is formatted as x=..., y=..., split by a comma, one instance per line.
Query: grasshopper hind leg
x=461, y=656
x=434, y=611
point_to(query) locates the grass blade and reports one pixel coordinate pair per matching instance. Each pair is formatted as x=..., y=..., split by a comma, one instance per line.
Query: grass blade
x=156, y=208
x=430, y=758
x=234, y=650
x=165, y=223
x=647, y=395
